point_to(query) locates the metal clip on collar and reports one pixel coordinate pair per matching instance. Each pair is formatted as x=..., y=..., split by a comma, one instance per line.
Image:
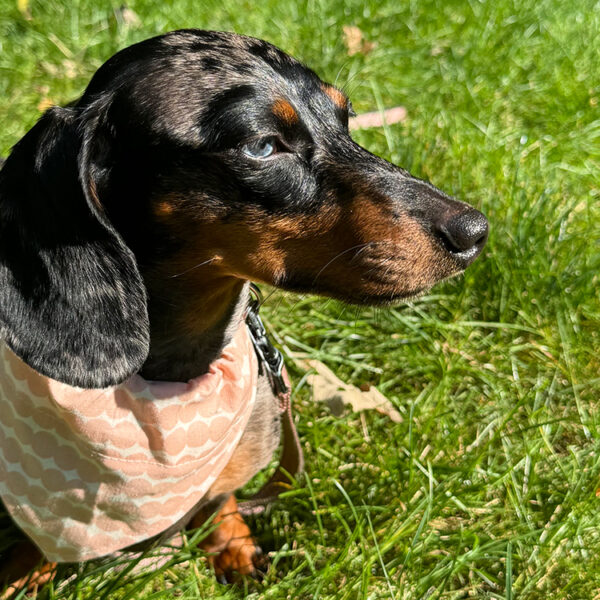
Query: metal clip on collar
x=269, y=356
x=292, y=460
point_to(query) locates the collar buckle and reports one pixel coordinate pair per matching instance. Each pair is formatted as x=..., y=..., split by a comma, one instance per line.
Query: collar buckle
x=269, y=356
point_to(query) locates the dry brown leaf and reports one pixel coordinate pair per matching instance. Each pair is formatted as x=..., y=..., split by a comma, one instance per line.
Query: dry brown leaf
x=328, y=388
x=378, y=119
x=128, y=17
x=24, y=8
x=71, y=68
x=45, y=101
x=67, y=68
x=44, y=104
x=353, y=38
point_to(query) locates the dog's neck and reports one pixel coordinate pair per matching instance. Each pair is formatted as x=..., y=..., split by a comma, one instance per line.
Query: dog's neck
x=188, y=333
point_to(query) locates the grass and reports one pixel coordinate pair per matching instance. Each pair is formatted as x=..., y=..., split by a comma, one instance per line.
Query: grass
x=489, y=487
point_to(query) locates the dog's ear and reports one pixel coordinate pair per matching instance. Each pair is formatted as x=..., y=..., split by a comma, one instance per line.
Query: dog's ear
x=72, y=301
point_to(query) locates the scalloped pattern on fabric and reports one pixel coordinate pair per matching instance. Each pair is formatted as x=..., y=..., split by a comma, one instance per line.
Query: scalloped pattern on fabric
x=87, y=472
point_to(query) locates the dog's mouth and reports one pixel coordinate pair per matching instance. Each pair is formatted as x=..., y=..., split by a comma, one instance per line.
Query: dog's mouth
x=377, y=274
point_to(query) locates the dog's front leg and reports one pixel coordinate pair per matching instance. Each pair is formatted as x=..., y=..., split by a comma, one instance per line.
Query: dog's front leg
x=230, y=546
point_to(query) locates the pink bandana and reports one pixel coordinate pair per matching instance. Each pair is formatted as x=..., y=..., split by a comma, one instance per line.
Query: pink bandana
x=88, y=472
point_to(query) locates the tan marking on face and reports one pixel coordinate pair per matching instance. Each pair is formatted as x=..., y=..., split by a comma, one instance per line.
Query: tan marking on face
x=164, y=208
x=285, y=111
x=273, y=246
x=360, y=249
x=401, y=257
x=338, y=98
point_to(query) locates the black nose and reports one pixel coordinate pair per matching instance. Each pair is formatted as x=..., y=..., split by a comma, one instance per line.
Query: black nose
x=464, y=234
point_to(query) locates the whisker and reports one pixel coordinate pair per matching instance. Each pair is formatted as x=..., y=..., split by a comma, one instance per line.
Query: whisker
x=267, y=296
x=192, y=268
x=360, y=246
x=369, y=244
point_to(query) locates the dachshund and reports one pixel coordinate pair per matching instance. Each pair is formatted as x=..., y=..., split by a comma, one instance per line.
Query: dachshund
x=131, y=222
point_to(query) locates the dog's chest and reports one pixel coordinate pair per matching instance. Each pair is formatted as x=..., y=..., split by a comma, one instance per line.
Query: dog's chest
x=88, y=472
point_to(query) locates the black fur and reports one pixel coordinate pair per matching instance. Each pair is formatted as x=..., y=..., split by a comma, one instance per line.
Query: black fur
x=72, y=303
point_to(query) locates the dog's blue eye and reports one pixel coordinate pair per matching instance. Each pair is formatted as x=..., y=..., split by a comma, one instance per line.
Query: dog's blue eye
x=262, y=148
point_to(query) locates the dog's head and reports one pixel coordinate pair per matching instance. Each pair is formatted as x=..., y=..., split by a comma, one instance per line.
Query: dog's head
x=194, y=153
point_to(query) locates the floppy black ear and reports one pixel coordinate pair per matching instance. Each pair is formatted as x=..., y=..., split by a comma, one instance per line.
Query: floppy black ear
x=72, y=301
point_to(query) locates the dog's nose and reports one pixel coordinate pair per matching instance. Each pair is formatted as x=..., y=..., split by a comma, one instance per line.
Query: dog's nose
x=464, y=234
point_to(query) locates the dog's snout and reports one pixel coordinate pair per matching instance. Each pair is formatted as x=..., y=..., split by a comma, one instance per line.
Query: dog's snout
x=464, y=234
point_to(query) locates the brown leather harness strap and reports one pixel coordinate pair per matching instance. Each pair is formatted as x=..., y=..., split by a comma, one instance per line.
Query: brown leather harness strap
x=291, y=462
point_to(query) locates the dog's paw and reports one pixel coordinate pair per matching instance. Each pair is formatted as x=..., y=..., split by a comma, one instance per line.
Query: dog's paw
x=231, y=549
x=241, y=557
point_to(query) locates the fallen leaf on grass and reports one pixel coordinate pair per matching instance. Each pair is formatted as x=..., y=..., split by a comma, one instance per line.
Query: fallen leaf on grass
x=378, y=119
x=23, y=8
x=44, y=104
x=353, y=38
x=331, y=390
x=45, y=101
x=67, y=68
x=128, y=17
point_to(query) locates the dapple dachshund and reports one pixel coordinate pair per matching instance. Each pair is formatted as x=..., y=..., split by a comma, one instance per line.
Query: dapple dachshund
x=131, y=222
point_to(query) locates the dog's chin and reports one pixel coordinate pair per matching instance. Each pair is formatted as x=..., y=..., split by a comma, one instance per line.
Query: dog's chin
x=384, y=297
x=379, y=300
x=392, y=295
x=375, y=292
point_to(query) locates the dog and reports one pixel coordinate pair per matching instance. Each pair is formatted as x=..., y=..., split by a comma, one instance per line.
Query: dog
x=131, y=222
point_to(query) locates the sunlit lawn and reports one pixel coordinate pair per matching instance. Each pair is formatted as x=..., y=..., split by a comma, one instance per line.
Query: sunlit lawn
x=488, y=488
